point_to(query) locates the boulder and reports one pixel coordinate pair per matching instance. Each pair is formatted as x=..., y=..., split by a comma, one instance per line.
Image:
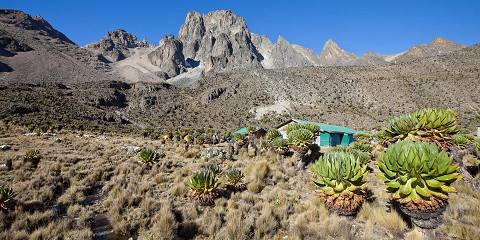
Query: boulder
x=5, y=147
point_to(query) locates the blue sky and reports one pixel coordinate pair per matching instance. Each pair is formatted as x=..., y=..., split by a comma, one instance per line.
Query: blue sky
x=358, y=26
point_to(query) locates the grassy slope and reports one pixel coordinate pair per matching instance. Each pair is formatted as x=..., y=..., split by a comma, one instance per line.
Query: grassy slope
x=87, y=175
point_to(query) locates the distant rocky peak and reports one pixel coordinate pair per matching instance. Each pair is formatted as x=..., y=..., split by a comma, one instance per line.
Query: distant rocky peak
x=220, y=40
x=168, y=38
x=168, y=57
x=442, y=42
x=331, y=45
x=122, y=37
x=332, y=54
x=115, y=45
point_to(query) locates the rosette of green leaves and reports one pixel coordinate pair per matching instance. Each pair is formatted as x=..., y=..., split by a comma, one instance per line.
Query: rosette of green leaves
x=415, y=171
x=203, y=181
x=339, y=172
x=272, y=134
x=149, y=156
x=300, y=139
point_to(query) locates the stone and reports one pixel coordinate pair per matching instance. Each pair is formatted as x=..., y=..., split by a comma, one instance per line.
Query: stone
x=214, y=152
x=5, y=147
x=132, y=149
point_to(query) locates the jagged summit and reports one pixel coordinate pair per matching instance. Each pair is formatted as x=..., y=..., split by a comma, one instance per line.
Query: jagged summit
x=219, y=39
x=332, y=54
x=168, y=57
x=115, y=45
x=440, y=41
x=330, y=44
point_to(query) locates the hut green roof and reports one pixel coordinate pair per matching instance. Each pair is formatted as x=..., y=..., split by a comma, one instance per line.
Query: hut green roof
x=328, y=127
x=244, y=131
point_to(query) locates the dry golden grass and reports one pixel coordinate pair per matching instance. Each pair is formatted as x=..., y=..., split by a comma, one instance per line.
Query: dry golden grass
x=377, y=217
x=84, y=175
x=462, y=217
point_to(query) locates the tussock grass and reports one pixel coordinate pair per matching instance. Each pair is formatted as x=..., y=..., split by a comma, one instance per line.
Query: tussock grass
x=378, y=217
x=257, y=174
x=462, y=217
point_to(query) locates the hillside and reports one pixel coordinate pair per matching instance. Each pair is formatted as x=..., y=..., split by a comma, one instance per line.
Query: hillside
x=362, y=96
x=39, y=53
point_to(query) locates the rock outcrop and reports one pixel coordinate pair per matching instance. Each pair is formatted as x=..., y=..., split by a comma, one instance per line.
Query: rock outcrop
x=9, y=46
x=115, y=45
x=33, y=51
x=220, y=40
x=168, y=56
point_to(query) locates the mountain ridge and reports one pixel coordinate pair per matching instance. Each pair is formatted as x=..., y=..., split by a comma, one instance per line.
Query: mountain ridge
x=221, y=41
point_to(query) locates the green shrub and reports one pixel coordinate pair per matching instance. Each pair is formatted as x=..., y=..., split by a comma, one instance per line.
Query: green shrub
x=462, y=140
x=6, y=196
x=234, y=179
x=300, y=139
x=429, y=124
x=272, y=134
x=149, y=156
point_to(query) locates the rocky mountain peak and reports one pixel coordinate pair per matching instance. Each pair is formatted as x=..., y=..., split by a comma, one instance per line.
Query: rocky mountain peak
x=115, y=45
x=225, y=21
x=332, y=54
x=191, y=34
x=282, y=41
x=220, y=40
x=437, y=47
x=331, y=45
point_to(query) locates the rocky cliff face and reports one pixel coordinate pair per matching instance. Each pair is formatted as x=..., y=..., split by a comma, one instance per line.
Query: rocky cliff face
x=438, y=46
x=168, y=57
x=115, y=45
x=9, y=46
x=191, y=34
x=220, y=40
